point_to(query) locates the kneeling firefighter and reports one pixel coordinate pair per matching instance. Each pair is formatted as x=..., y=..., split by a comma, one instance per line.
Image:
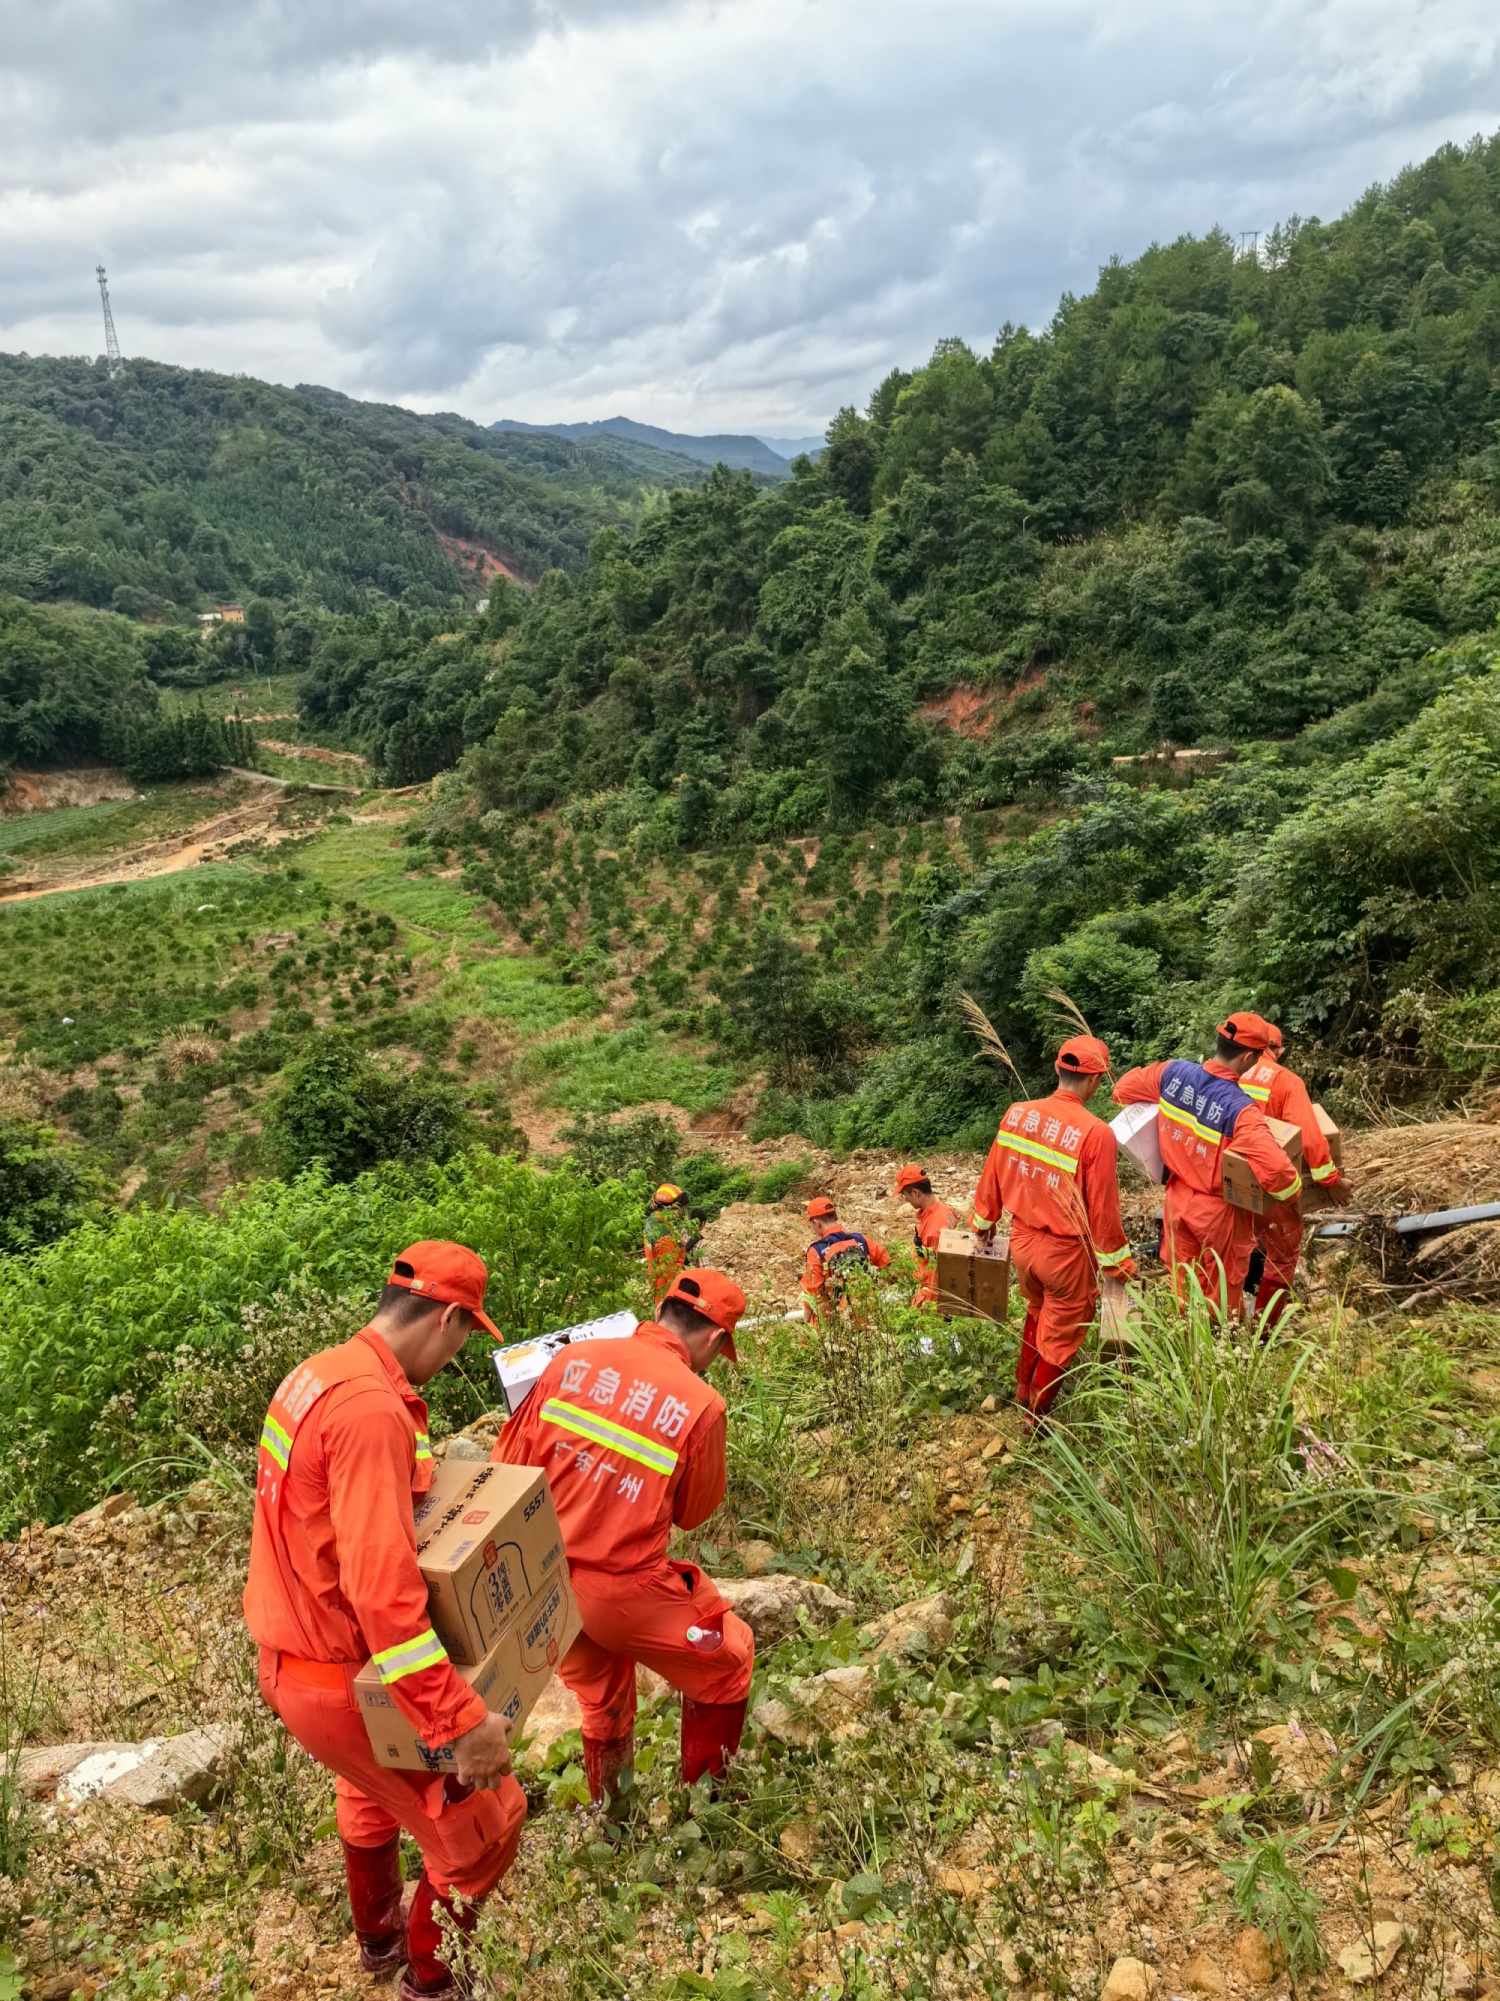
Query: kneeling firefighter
x=632, y=1440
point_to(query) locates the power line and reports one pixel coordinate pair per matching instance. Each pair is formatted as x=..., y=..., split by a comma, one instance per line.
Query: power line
x=111, y=345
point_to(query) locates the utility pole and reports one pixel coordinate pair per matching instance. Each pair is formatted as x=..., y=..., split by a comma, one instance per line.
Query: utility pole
x=111, y=345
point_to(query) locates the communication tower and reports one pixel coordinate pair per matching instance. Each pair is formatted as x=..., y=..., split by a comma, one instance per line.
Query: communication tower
x=111, y=345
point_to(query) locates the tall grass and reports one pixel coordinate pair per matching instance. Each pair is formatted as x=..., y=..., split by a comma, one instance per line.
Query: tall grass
x=1184, y=1492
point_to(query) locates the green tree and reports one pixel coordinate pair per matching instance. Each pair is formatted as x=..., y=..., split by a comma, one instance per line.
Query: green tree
x=43, y=1194
x=337, y=1107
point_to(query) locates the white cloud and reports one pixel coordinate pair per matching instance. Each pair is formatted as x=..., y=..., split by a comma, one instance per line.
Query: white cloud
x=708, y=213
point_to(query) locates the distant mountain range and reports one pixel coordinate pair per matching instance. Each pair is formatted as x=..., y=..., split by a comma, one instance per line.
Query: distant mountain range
x=764, y=455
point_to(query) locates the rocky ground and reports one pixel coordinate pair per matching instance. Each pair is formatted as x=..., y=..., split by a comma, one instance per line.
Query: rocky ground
x=174, y=1847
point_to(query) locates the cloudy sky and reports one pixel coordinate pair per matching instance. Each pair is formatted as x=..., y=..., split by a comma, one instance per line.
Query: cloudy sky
x=708, y=214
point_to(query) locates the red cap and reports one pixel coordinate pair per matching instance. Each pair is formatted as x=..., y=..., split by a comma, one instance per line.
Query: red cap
x=1248, y=1030
x=819, y=1207
x=912, y=1177
x=1278, y=1045
x=448, y=1273
x=713, y=1295
x=1083, y=1056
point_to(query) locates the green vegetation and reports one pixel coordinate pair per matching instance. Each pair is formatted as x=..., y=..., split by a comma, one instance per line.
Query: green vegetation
x=64, y=676
x=166, y=488
x=89, y=1325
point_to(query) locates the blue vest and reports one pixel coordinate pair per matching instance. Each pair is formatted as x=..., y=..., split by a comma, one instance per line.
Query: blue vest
x=842, y=1247
x=1199, y=1104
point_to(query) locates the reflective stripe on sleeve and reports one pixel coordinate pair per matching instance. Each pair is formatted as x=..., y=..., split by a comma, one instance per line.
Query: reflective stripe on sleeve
x=979, y=1222
x=425, y=1651
x=1324, y=1173
x=1260, y=1092
x=603, y=1431
x=1286, y=1194
x=275, y=1441
x=424, y=1446
x=1114, y=1257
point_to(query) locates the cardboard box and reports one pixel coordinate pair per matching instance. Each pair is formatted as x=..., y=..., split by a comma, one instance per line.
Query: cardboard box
x=1331, y=1133
x=1240, y=1185
x=488, y=1541
x=1119, y=1314
x=509, y=1678
x=973, y=1283
x=1136, y=1130
x=520, y=1367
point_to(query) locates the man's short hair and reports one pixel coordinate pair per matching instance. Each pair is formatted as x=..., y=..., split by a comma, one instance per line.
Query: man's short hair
x=685, y=1319
x=405, y=1309
x=1228, y=1050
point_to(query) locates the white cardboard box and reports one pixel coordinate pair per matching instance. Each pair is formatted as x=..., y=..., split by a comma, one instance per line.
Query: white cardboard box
x=1135, y=1129
x=519, y=1368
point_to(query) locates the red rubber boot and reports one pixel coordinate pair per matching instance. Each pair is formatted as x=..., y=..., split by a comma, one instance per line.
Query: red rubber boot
x=604, y=1760
x=427, y=1977
x=1046, y=1381
x=1026, y=1361
x=711, y=1734
x=374, y=1879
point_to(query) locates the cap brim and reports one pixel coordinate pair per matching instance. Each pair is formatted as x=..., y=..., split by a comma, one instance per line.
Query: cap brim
x=486, y=1323
x=728, y=1351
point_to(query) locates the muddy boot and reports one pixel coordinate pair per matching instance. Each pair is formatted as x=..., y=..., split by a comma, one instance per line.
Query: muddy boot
x=374, y=1879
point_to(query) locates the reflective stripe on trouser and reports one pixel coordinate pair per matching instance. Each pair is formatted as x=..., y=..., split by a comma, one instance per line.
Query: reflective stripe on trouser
x=467, y=1844
x=1279, y=1235
x=644, y=1616
x=1205, y=1234
x=1061, y=1289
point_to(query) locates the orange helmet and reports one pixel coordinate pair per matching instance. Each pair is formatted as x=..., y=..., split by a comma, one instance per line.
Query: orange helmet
x=1083, y=1056
x=913, y=1177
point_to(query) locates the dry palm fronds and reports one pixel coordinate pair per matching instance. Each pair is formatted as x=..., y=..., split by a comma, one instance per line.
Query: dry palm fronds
x=985, y=1034
x=185, y=1048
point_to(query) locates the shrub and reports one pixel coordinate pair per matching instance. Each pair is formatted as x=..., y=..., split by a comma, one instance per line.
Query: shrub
x=609, y=1149
x=338, y=1107
x=102, y=1312
x=42, y=1193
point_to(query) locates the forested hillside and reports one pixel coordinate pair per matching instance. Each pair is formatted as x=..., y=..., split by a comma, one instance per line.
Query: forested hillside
x=161, y=489
x=1243, y=503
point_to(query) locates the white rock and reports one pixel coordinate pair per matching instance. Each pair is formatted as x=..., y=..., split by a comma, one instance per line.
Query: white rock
x=921, y=1629
x=157, y=1776
x=1368, y=1958
x=833, y=1704
x=769, y=1605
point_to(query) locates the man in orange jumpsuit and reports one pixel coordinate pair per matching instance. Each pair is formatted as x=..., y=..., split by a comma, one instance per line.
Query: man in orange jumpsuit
x=833, y=1256
x=933, y=1217
x=632, y=1440
x=334, y=1582
x=1202, y=1109
x=1281, y=1094
x=1052, y=1169
x=667, y=1239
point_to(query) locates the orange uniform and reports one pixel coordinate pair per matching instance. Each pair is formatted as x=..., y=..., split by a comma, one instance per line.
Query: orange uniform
x=665, y=1252
x=931, y=1223
x=1282, y=1095
x=832, y=1257
x=1202, y=1110
x=333, y=1582
x=1053, y=1170
x=633, y=1443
